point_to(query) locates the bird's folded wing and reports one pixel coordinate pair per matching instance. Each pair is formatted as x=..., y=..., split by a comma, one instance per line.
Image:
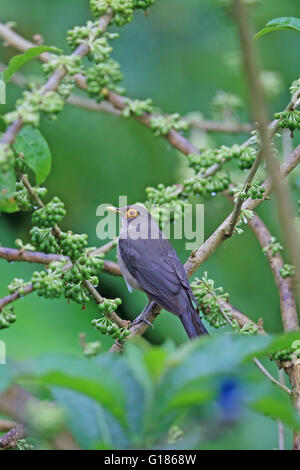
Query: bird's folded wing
x=156, y=267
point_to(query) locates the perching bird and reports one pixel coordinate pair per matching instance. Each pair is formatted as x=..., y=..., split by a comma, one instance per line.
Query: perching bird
x=148, y=262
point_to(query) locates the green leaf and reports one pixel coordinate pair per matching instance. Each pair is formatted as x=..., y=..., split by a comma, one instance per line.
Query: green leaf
x=278, y=406
x=155, y=360
x=19, y=60
x=7, y=190
x=285, y=22
x=82, y=375
x=35, y=149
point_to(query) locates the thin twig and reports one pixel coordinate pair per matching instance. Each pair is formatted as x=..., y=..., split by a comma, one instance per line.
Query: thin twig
x=216, y=126
x=270, y=377
x=279, y=422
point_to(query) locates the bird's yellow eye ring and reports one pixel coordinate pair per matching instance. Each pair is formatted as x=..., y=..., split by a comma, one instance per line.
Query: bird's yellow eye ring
x=132, y=213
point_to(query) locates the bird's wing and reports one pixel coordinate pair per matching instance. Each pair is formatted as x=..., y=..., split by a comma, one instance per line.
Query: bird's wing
x=157, y=268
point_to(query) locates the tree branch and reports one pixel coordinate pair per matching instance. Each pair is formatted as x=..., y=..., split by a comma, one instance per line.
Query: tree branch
x=284, y=285
x=53, y=82
x=14, y=402
x=11, y=438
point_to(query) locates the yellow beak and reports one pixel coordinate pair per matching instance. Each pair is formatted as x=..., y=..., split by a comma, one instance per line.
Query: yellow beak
x=113, y=209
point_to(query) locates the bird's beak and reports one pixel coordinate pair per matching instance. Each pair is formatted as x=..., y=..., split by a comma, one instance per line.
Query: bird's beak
x=113, y=209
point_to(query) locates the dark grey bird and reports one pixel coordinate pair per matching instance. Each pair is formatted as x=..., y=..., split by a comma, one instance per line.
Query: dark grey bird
x=148, y=262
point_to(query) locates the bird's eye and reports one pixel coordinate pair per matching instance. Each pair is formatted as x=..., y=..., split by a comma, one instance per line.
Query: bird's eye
x=132, y=213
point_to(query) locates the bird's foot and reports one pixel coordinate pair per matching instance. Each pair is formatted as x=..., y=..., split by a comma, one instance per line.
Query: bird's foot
x=140, y=319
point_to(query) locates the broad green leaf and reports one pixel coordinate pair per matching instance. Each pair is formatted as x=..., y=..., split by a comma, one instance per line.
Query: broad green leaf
x=276, y=344
x=278, y=406
x=36, y=152
x=285, y=22
x=155, y=360
x=88, y=421
x=7, y=190
x=81, y=375
x=19, y=60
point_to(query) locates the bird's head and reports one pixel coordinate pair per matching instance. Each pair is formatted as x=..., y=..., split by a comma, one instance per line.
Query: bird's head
x=133, y=212
x=136, y=218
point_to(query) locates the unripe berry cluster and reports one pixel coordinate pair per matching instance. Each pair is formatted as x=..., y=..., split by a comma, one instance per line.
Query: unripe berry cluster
x=287, y=270
x=287, y=354
x=7, y=317
x=122, y=10
x=23, y=198
x=162, y=125
x=44, y=240
x=274, y=246
x=18, y=285
x=102, y=76
x=289, y=120
x=51, y=214
x=48, y=284
x=207, y=186
x=137, y=107
x=73, y=244
x=208, y=298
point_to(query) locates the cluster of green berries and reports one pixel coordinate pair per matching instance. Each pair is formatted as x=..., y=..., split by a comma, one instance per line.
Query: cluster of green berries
x=18, y=285
x=66, y=86
x=28, y=107
x=167, y=213
x=208, y=157
x=107, y=327
x=109, y=306
x=51, y=104
x=103, y=76
x=287, y=354
x=295, y=86
x=122, y=10
x=48, y=284
x=51, y=214
x=246, y=158
x=79, y=34
x=20, y=163
x=76, y=292
x=207, y=186
x=162, y=194
x=247, y=329
x=137, y=107
x=162, y=125
x=208, y=298
x=288, y=120
x=73, y=244
x=143, y=4
x=287, y=270
x=7, y=317
x=71, y=63
x=44, y=240
x=87, y=267
x=274, y=246
x=256, y=191
x=22, y=197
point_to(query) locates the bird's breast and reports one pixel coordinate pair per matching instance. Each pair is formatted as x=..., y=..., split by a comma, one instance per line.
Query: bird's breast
x=129, y=279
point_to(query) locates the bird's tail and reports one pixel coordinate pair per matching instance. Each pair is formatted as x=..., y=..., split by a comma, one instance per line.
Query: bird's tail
x=192, y=324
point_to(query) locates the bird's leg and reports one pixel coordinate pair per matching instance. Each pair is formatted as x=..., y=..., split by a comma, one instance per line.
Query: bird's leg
x=143, y=316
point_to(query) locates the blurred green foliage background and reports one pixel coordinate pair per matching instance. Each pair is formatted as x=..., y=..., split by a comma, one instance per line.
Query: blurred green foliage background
x=179, y=56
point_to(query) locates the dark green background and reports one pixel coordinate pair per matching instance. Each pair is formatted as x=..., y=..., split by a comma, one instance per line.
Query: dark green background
x=178, y=57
